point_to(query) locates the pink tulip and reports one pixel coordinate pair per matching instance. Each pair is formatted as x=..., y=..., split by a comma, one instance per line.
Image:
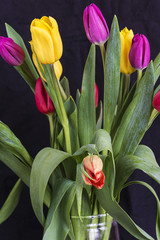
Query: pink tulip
x=139, y=54
x=95, y=25
x=93, y=165
x=11, y=52
x=43, y=101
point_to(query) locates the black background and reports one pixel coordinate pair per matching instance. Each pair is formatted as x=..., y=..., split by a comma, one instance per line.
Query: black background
x=19, y=112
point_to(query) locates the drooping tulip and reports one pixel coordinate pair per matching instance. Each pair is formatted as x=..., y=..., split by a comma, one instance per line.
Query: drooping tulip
x=126, y=41
x=95, y=25
x=139, y=54
x=93, y=165
x=11, y=52
x=156, y=101
x=46, y=40
x=43, y=101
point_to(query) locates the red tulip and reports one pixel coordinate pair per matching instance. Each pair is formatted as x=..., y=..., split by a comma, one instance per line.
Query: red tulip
x=11, y=52
x=96, y=95
x=156, y=101
x=93, y=165
x=43, y=101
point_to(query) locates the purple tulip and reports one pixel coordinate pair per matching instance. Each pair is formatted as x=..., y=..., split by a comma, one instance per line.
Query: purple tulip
x=11, y=52
x=95, y=25
x=139, y=54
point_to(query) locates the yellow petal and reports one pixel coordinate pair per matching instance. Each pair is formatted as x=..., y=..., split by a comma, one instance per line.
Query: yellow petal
x=126, y=41
x=43, y=45
x=58, y=69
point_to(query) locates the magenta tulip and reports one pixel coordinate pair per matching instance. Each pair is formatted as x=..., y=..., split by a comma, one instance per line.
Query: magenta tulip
x=43, y=101
x=156, y=101
x=139, y=54
x=95, y=25
x=11, y=52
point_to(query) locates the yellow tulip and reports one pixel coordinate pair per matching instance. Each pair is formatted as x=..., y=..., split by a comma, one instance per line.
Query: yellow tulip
x=46, y=40
x=126, y=42
x=57, y=65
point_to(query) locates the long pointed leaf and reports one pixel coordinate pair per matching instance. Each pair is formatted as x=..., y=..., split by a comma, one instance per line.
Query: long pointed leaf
x=114, y=210
x=111, y=75
x=86, y=113
x=11, y=201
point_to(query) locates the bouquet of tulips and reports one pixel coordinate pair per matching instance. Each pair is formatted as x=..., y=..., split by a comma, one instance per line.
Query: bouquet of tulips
x=94, y=146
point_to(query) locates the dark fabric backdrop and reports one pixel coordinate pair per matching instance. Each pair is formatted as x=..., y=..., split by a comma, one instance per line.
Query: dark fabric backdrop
x=19, y=112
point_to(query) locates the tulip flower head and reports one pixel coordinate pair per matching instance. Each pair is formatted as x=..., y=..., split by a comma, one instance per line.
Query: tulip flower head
x=93, y=165
x=95, y=25
x=156, y=101
x=139, y=55
x=43, y=101
x=11, y=52
x=46, y=40
x=126, y=41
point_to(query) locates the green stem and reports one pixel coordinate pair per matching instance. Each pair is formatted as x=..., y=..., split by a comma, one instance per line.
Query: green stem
x=109, y=221
x=139, y=76
x=126, y=87
x=65, y=122
x=51, y=124
x=103, y=52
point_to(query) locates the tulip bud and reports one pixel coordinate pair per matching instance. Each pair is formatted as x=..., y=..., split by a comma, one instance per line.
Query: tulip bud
x=126, y=41
x=95, y=25
x=46, y=40
x=139, y=54
x=43, y=101
x=156, y=101
x=93, y=165
x=96, y=95
x=11, y=52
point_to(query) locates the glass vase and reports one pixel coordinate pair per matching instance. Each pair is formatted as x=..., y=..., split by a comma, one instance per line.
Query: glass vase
x=96, y=227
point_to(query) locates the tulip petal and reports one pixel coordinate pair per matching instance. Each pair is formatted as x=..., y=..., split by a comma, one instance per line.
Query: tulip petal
x=56, y=38
x=43, y=45
x=146, y=52
x=126, y=41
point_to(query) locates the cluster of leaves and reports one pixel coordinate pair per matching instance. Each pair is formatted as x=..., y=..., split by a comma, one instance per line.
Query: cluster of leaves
x=55, y=175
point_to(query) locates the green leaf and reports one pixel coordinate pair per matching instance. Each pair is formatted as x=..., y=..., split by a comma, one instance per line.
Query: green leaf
x=13, y=144
x=79, y=189
x=143, y=159
x=157, y=200
x=11, y=201
x=52, y=225
x=83, y=151
x=27, y=69
x=111, y=75
x=71, y=110
x=60, y=215
x=114, y=210
x=44, y=164
x=20, y=169
x=86, y=107
x=99, y=116
x=135, y=119
x=65, y=85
